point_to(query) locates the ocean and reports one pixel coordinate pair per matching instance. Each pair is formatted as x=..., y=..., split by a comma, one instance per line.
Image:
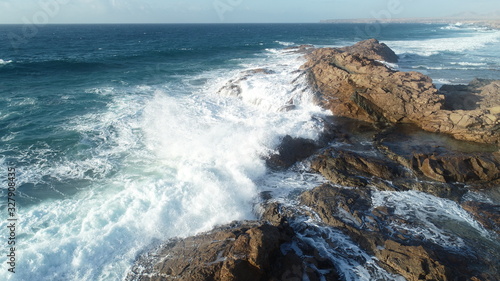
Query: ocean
x=119, y=136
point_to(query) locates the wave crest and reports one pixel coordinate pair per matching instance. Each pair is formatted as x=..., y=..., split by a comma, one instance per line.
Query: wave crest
x=4, y=62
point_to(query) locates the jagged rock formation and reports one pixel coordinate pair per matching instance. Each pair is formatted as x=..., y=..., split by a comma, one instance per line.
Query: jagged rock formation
x=248, y=250
x=352, y=84
x=372, y=49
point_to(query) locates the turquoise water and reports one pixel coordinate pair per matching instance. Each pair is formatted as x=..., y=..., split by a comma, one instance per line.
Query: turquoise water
x=120, y=137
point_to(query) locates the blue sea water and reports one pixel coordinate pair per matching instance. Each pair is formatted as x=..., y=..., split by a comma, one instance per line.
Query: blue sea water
x=121, y=137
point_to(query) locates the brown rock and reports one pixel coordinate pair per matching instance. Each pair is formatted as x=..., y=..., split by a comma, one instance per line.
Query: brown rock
x=363, y=89
x=440, y=157
x=372, y=49
x=329, y=201
x=233, y=86
x=412, y=262
x=351, y=84
x=478, y=94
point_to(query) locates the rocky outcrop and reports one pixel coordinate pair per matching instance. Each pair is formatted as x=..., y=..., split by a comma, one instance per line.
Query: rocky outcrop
x=290, y=151
x=363, y=89
x=372, y=49
x=352, y=84
x=248, y=250
x=471, y=112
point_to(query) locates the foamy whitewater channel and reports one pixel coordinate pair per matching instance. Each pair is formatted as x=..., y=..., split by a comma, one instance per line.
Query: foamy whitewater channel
x=165, y=161
x=472, y=39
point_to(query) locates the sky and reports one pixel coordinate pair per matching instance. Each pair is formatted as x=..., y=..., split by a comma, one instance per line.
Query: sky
x=228, y=11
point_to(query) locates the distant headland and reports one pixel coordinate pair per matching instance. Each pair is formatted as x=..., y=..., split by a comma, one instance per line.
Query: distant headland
x=490, y=20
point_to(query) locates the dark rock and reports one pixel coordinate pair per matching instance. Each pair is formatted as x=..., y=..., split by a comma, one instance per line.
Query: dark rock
x=360, y=88
x=290, y=151
x=259, y=71
x=459, y=168
x=459, y=97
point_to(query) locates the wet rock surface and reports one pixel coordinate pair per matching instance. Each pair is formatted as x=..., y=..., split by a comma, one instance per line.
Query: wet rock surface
x=372, y=49
x=290, y=151
x=248, y=250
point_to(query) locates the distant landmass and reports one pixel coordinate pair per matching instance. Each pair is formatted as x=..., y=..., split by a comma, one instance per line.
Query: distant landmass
x=492, y=19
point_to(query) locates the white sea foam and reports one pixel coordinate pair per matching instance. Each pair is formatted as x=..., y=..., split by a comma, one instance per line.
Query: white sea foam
x=462, y=26
x=160, y=163
x=431, y=218
x=286, y=44
x=4, y=62
x=392, y=66
x=430, y=47
x=469, y=63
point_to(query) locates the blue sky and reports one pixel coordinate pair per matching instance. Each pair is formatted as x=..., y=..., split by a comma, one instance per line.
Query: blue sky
x=227, y=11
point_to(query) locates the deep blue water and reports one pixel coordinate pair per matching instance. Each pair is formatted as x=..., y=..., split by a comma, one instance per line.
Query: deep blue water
x=120, y=137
